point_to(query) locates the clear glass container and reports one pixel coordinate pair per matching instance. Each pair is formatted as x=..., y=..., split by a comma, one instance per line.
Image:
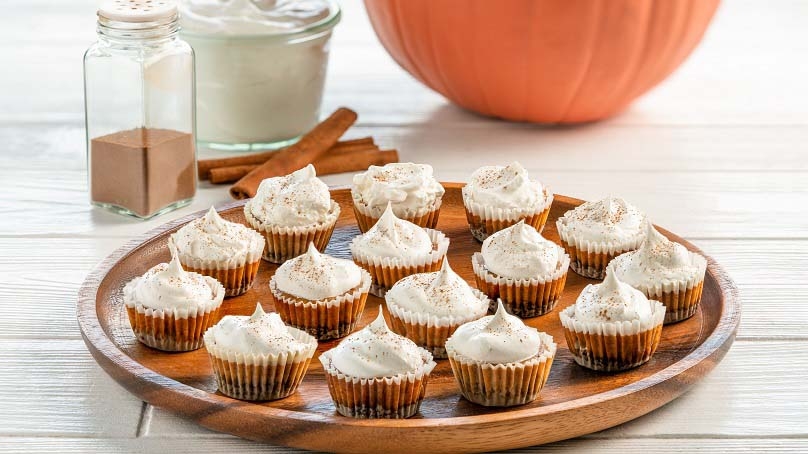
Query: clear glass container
x=139, y=92
x=260, y=68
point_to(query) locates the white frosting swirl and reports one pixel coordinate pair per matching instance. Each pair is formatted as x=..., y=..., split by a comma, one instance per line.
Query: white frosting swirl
x=213, y=238
x=658, y=260
x=498, y=339
x=409, y=187
x=315, y=276
x=442, y=293
x=520, y=252
x=297, y=199
x=258, y=334
x=167, y=286
x=504, y=187
x=611, y=301
x=394, y=238
x=376, y=352
x=609, y=220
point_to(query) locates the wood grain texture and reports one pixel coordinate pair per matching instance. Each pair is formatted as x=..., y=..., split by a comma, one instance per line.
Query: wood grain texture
x=53, y=388
x=232, y=444
x=574, y=402
x=720, y=404
x=737, y=106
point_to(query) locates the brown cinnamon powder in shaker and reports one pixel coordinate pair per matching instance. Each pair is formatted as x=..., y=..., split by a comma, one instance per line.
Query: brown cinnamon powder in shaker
x=143, y=169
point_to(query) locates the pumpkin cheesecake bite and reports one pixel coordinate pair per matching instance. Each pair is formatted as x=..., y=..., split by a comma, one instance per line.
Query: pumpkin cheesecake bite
x=411, y=189
x=612, y=326
x=664, y=271
x=497, y=197
x=320, y=294
x=428, y=307
x=499, y=361
x=376, y=373
x=292, y=211
x=394, y=248
x=257, y=357
x=523, y=269
x=226, y=251
x=169, y=308
x=594, y=233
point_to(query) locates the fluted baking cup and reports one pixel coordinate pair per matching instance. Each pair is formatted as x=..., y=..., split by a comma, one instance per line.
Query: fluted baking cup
x=394, y=397
x=590, y=258
x=324, y=319
x=386, y=271
x=613, y=346
x=284, y=243
x=261, y=377
x=426, y=217
x=484, y=220
x=503, y=385
x=431, y=331
x=522, y=297
x=680, y=297
x=175, y=330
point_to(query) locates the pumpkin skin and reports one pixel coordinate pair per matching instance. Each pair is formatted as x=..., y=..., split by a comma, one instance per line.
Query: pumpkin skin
x=543, y=61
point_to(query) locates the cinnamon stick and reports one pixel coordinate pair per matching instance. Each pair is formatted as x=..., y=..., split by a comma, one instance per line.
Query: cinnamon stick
x=204, y=165
x=333, y=162
x=311, y=146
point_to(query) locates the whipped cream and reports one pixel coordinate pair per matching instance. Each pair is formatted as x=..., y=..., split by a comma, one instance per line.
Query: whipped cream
x=252, y=17
x=611, y=301
x=409, y=187
x=375, y=352
x=442, y=293
x=504, y=187
x=658, y=260
x=609, y=220
x=499, y=339
x=393, y=238
x=213, y=238
x=520, y=252
x=168, y=287
x=257, y=334
x=294, y=200
x=315, y=276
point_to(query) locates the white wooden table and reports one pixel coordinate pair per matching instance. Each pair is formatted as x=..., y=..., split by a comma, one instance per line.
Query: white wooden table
x=718, y=153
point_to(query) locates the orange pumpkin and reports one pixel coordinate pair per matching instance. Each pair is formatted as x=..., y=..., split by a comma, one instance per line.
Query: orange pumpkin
x=545, y=61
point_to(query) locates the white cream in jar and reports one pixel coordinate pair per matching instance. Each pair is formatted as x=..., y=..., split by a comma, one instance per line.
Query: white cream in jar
x=260, y=68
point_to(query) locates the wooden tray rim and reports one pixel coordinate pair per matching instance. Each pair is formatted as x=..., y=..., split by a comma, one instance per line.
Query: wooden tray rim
x=115, y=361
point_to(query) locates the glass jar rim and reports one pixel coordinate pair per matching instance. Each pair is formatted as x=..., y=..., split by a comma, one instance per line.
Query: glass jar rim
x=324, y=24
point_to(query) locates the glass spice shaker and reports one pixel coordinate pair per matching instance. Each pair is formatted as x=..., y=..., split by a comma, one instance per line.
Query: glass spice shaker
x=139, y=97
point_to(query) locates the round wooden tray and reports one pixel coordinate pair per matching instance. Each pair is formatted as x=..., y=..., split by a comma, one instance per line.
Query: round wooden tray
x=575, y=401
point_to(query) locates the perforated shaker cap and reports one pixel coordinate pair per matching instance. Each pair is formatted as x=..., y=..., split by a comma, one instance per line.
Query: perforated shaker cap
x=137, y=10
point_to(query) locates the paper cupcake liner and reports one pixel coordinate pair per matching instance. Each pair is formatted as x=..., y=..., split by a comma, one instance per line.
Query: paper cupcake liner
x=169, y=332
x=394, y=397
x=524, y=298
x=681, y=298
x=325, y=319
x=503, y=385
x=386, y=271
x=236, y=281
x=430, y=331
x=485, y=220
x=590, y=259
x=261, y=377
x=284, y=243
x=613, y=346
x=425, y=217
x=175, y=330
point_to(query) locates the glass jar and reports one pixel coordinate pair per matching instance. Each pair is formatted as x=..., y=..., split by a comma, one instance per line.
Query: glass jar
x=260, y=67
x=139, y=96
